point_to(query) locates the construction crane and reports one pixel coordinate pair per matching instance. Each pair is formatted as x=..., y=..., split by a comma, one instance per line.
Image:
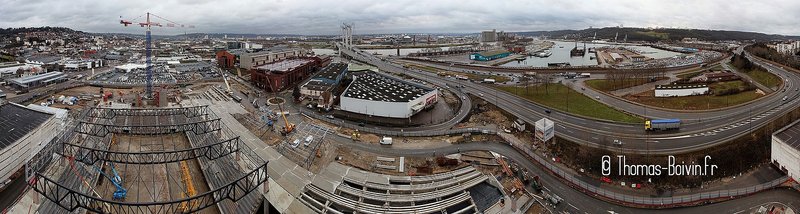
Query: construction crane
x=288, y=127
x=148, y=40
x=227, y=85
x=121, y=192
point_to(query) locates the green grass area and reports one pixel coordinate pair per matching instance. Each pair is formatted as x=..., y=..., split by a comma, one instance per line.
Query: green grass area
x=691, y=71
x=690, y=75
x=558, y=96
x=609, y=85
x=764, y=77
x=700, y=102
x=727, y=85
x=476, y=77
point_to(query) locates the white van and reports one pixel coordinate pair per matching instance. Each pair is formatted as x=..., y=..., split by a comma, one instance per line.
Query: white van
x=386, y=141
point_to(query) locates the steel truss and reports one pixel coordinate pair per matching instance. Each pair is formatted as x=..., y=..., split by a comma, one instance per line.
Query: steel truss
x=71, y=199
x=91, y=155
x=109, y=113
x=101, y=130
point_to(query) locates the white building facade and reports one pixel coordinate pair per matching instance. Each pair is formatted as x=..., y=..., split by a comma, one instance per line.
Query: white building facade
x=680, y=90
x=785, y=150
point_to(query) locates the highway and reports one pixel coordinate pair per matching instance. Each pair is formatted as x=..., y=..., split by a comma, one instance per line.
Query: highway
x=708, y=128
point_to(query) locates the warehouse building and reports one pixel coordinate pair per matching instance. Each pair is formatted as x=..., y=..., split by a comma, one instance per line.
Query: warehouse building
x=255, y=59
x=35, y=81
x=130, y=67
x=321, y=86
x=721, y=76
x=376, y=94
x=10, y=68
x=23, y=131
x=489, y=55
x=82, y=64
x=44, y=60
x=284, y=74
x=786, y=150
x=680, y=90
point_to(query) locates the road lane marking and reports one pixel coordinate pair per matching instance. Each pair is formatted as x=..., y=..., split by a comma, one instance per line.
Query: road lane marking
x=675, y=137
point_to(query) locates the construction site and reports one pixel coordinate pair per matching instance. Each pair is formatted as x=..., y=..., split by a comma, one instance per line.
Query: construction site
x=147, y=161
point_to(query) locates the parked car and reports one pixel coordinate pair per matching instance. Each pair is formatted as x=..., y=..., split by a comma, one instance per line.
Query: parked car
x=309, y=139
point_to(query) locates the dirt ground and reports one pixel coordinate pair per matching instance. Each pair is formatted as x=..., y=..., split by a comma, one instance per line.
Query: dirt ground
x=153, y=182
x=90, y=96
x=265, y=133
x=536, y=209
x=485, y=114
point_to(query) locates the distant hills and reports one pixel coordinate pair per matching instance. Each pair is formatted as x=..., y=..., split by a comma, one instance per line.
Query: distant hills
x=11, y=31
x=658, y=34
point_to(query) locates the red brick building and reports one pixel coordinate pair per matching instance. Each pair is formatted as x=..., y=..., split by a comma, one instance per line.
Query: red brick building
x=284, y=74
x=228, y=58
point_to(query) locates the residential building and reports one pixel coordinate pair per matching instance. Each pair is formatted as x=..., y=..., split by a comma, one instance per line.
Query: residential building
x=489, y=36
x=322, y=85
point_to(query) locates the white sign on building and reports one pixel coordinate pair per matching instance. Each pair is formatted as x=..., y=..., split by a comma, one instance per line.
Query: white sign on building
x=544, y=129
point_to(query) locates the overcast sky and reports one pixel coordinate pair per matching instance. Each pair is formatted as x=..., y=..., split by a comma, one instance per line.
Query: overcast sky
x=402, y=16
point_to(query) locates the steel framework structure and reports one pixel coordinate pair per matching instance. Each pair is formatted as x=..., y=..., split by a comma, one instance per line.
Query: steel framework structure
x=71, y=199
x=71, y=180
x=101, y=130
x=109, y=113
x=90, y=155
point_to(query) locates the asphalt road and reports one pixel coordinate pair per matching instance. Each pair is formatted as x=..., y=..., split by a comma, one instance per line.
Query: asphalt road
x=575, y=201
x=708, y=128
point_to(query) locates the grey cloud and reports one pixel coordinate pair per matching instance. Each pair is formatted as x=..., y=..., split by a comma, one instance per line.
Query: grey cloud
x=324, y=16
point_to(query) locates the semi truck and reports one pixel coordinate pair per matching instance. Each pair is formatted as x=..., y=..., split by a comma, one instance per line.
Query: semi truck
x=663, y=124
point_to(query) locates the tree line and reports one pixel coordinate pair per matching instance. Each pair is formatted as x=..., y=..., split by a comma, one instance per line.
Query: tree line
x=761, y=50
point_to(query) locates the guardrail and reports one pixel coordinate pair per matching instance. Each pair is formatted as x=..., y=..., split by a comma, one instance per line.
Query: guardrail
x=659, y=202
x=400, y=133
